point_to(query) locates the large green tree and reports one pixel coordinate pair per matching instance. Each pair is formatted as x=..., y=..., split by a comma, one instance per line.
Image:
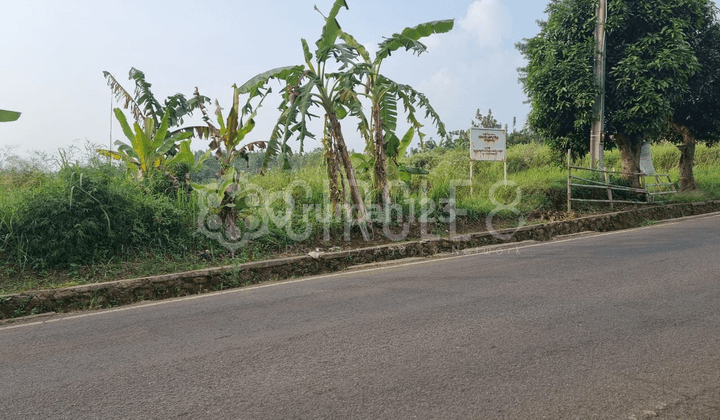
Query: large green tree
x=650, y=60
x=697, y=117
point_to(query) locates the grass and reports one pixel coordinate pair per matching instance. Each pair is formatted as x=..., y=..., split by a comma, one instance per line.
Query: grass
x=154, y=231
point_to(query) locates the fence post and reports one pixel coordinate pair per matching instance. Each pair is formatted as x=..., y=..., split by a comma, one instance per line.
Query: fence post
x=569, y=189
x=609, y=190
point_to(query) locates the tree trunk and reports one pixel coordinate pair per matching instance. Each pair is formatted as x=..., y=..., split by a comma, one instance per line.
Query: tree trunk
x=687, y=158
x=380, y=165
x=332, y=167
x=336, y=131
x=228, y=216
x=629, y=158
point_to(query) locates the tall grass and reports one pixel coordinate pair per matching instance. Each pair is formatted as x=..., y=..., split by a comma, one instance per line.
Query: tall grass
x=85, y=215
x=91, y=214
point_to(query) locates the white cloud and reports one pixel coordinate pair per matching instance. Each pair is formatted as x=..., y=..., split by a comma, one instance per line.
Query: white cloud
x=432, y=42
x=489, y=21
x=443, y=80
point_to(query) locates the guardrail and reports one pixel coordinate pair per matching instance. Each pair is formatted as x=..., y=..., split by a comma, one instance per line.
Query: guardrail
x=649, y=190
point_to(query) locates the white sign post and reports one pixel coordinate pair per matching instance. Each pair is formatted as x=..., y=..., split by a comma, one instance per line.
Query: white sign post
x=488, y=144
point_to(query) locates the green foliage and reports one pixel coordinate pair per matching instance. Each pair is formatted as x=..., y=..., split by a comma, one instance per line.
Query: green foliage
x=558, y=79
x=698, y=110
x=485, y=121
x=143, y=104
x=86, y=215
x=649, y=57
x=8, y=116
x=524, y=136
x=61, y=220
x=650, y=60
x=148, y=147
x=385, y=93
x=409, y=37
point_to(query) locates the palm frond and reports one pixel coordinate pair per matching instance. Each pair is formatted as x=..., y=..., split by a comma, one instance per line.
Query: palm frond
x=287, y=73
x=412, y=98
x=409, y=38
x=123, y=96
x=248, y=148
x=388, y=111
x=177, y=107
x=200, y=101
x=144, y=96
x=353, y=43
x=199, y=131
x=330, y=31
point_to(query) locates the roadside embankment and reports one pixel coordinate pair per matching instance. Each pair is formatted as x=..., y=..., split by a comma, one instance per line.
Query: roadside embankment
x=123, y=292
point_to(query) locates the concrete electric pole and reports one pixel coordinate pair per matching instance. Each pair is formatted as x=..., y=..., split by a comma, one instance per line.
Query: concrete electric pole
x=597, y=131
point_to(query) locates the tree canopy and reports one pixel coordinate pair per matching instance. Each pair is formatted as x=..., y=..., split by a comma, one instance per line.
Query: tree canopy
x=652, y=57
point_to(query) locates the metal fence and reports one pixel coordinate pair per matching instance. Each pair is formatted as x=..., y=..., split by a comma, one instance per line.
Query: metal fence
x=650, y=191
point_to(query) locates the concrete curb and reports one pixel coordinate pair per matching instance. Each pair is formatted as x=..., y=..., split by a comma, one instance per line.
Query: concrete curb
x=123, y=292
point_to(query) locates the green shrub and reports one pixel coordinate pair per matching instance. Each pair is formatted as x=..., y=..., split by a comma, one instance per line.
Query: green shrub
x=85, y=215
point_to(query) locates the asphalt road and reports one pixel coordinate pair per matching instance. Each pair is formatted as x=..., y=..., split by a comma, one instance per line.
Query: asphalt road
x=623, y=325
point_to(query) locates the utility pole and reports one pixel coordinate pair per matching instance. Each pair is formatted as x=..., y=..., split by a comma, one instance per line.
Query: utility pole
x=597, y=132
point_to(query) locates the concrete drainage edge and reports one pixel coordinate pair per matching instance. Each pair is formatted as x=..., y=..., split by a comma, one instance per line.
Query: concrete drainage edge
x=123, y=292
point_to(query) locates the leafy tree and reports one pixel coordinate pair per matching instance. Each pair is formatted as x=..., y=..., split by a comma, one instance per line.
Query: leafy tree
x=649, y=58
x=157, y=131
x=485, y=121
x=524, y=136
x=697, y=116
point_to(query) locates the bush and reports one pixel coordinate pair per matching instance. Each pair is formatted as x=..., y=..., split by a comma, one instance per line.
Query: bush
x=85, y=215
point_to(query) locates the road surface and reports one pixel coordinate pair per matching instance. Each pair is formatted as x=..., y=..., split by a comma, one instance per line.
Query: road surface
x=622, y=325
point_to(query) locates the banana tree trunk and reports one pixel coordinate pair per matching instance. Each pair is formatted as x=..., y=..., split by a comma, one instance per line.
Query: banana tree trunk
x=332, y=167
x=629, y=158
x=687, y=158
x=381, y=183
x=228, y=216
x=349, y=171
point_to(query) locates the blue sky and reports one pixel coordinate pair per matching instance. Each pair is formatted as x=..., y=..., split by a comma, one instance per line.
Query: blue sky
x=54, y=54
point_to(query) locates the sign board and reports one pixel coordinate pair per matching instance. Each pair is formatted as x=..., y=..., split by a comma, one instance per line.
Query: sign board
x=488, y=144
x=646, y=165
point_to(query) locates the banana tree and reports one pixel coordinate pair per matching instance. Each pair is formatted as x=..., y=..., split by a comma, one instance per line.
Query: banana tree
x=8, y=116
x=226, y=141
x=148, y=147
x=395, y=171
x=334, y=94
x=384, y=93
x=144, y=106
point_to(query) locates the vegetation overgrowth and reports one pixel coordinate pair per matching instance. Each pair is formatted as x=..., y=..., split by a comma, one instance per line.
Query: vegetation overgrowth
x=88, y=222
x=153, y=206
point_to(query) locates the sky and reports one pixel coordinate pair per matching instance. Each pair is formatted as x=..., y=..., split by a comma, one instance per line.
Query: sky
x=54, y=54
